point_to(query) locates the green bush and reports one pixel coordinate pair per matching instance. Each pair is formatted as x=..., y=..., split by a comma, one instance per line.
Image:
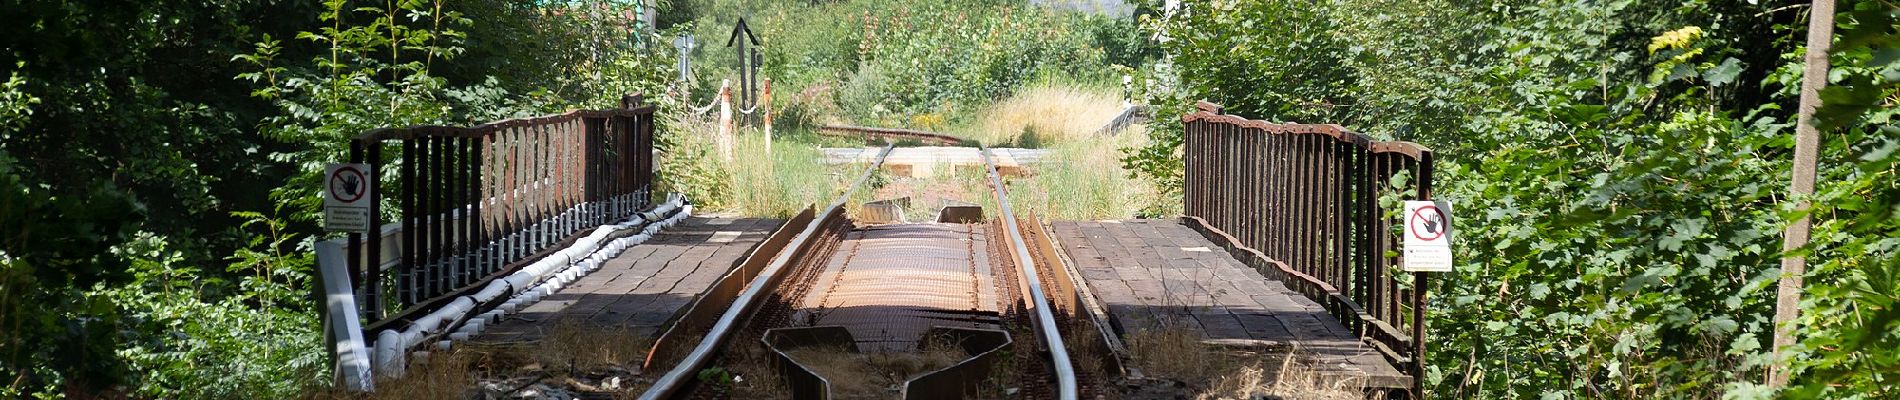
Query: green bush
x=128, y=144
x=1624, y=166
x=181, y=341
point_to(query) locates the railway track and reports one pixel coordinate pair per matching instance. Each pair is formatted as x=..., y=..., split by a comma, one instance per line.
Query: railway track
x=893, y=134
x=970, y=308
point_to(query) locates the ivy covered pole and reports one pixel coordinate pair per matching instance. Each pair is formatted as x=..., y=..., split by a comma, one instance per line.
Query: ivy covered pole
x=1807, y=143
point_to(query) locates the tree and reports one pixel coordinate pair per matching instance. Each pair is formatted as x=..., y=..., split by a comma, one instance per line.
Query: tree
x=1807, y=145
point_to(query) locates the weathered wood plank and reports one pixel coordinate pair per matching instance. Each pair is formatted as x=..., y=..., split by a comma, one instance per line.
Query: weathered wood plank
x=645, y=286
x=1152, y=274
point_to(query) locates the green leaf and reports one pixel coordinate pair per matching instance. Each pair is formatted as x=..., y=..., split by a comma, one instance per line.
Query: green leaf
x=1725, y=73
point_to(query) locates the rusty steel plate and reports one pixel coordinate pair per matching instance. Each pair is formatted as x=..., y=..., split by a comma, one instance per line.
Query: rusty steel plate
x=888, y=284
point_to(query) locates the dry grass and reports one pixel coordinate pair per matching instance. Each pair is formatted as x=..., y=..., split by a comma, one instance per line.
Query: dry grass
x=1085, y=348
x=856, y=375
x=1292, y=381
x=1213, y=372
x=579, y=346
x=755, y=371
x=1178, y=354
x=445, y=375
x=570, y=350
x=1052, y=113
x=1082, y=176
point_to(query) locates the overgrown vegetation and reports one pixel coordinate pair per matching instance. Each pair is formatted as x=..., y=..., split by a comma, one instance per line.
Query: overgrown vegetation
x=1622, y=163
x=1001, y=72
x=916, y=64
x=1623, y=166
x=144, y=142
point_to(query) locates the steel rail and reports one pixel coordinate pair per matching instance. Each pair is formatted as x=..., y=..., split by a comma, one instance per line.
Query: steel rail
x=688, y=368
x=1066, y=387
x=895, y=134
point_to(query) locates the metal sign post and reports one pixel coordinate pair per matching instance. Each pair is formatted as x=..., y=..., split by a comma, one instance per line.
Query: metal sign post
x=348, y=191
x=685, y=44
x=748, y=63
x=1427, y=236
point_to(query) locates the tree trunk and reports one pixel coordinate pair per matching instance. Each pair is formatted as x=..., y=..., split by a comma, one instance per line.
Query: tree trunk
x=1807, y=143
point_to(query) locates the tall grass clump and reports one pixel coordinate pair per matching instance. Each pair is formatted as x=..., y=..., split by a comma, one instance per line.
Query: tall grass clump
x=756, y=182
x=1083, y=179
x=1081, y=176
x=783, y=182
x=1047, y=113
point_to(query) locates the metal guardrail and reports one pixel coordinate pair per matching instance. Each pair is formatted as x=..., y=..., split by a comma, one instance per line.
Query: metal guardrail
x=1307, y=198
x=475, y=203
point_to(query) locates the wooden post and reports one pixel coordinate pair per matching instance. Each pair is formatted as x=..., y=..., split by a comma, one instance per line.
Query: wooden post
x=765, y=109
x=725, y=120
x=1807, y=143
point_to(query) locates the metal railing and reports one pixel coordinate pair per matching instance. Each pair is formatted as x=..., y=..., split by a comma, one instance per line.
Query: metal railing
x=1308, y=197
x=475, y=203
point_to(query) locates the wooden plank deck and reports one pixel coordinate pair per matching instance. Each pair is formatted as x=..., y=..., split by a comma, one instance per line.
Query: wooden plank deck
x=1154, y=273
x=647, y=286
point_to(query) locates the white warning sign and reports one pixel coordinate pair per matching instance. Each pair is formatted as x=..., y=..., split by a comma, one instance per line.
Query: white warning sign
x=1427, y=236
x=347, y=194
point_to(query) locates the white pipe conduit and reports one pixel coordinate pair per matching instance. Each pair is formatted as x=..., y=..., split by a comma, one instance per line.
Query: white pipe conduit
x=528, y=285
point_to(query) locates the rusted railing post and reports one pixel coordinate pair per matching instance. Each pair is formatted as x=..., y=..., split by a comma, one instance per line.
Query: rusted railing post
x=725, y=121
x=765, y=109
x=481, y=201
x=1307, y=195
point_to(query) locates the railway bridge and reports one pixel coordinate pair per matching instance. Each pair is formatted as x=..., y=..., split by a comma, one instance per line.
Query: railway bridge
x=510, y=229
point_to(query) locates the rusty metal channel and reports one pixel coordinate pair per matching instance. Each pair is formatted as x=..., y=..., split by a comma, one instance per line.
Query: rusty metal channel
x=915, y=286
x=1047, y=330
x=953, y=382
x=1022, y=269
x=766, y=281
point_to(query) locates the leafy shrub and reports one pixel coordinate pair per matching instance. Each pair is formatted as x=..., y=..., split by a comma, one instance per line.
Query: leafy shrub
x=690, y=163
x=183, y=341
x=1625, y=178
x=112, y=229
x=1849, y=313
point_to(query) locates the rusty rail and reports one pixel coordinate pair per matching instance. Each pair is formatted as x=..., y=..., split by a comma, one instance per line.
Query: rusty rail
x=1046, y=328
x=476, y=203
x=1307, y=197
x=890, y=134
x=765, y=280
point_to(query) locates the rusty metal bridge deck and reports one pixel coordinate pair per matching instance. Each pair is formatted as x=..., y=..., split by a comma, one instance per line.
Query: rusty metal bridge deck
x=1152, y=274
x=1282, y=242
x=888, y=284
